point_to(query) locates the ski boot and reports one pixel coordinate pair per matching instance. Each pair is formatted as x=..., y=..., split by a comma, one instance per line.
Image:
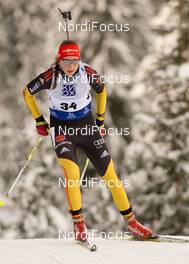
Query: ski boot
x=138, y=230
x=80, y=231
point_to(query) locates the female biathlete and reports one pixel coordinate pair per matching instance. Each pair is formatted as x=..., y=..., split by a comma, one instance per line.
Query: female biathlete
x=68, y=86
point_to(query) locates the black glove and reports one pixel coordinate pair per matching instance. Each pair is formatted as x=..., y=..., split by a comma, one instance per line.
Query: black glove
x=100, y=125
x=42, y=126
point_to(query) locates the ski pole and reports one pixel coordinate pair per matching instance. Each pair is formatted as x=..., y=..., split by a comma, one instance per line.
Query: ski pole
x=84, y=170
x=66, y=16
x=35, y=147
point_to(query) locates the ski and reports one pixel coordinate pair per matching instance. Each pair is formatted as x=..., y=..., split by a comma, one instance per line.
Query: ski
x=156, y=238
x=86, y=244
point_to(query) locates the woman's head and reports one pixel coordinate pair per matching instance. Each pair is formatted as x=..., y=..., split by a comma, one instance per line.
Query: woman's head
x=69, y=57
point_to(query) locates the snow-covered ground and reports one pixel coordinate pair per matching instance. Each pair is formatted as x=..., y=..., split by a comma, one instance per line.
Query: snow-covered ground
x=52, y=251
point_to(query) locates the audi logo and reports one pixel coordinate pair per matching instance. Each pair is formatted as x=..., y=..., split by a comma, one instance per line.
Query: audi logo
x=99, y=142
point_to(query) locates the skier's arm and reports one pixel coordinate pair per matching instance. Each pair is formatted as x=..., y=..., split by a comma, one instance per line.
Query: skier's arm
x=31, y=103
x=101, y=96
x=41, y=124
x=101, y=99
x=43, y=81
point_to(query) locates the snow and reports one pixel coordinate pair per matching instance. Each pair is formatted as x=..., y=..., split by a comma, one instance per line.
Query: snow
x=184, y=71
x=59, y=251
x=166, y=14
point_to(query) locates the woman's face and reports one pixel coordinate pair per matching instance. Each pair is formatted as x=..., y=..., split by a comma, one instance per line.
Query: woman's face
x=69, y=65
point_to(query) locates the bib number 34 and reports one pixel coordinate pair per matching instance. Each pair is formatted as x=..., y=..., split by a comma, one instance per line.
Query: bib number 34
x=66, y=106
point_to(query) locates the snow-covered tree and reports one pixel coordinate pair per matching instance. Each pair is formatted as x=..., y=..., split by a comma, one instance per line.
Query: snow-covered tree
x=157, y=159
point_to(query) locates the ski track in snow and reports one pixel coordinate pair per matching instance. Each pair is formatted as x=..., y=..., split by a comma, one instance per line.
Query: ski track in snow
x=52, y=251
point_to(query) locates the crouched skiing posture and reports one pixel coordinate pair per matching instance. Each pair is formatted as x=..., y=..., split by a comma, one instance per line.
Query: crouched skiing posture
x=68, y=84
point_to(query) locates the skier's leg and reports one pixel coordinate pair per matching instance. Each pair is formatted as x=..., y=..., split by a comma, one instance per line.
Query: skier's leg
x=72, y=175
x=97, y=151
x=99, y=155
x=121, y=200
x=65, y=148
x=117, y=190
x=73, y=193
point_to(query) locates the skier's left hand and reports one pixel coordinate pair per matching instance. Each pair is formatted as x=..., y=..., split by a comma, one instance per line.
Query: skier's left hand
x=100, y=124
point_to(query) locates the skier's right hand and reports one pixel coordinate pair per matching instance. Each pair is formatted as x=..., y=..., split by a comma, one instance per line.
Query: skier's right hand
x=42, y=126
